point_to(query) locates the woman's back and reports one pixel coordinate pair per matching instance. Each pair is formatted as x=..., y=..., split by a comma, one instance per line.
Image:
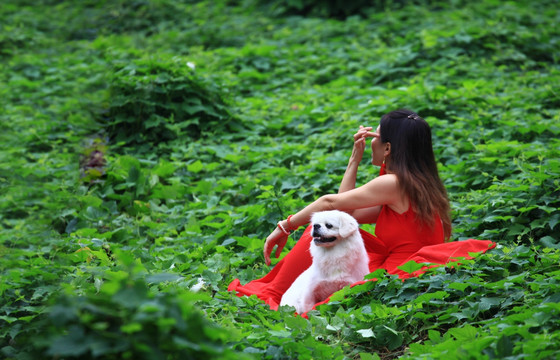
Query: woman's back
x=397, y=236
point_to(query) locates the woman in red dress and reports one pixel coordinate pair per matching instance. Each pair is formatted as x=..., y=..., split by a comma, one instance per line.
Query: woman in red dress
x=408, y=203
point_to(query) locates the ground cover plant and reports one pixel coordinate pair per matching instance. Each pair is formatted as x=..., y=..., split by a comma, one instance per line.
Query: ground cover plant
x=149, y=147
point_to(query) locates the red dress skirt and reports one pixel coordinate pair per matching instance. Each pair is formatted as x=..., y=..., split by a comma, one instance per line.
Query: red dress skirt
x=399, y=239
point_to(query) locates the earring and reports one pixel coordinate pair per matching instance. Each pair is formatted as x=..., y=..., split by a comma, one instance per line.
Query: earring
x=382, y=170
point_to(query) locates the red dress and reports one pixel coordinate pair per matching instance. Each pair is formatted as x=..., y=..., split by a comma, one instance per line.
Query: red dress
x=400, y=238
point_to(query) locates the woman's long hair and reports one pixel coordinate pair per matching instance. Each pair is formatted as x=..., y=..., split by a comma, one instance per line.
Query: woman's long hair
x=412, y=161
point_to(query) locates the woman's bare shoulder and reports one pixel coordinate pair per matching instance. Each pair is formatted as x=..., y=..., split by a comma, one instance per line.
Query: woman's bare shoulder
x=386, y=180
x=389, y=183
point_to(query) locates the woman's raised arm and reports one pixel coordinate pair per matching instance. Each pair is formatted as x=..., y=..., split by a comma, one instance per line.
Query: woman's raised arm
x=349, y=178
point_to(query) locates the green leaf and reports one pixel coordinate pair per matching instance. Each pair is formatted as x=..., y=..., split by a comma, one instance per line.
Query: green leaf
x=131, y=328
x=458, y=286
x=8, y=319
x=553, y=221
x=280, y=333
x=411, y=266
x=296, y=323
x=434, y=336
x=504, y=347
x=164, y=169
x=464, y=334
x=487, y=303
x=195, y=167
x=366, y=333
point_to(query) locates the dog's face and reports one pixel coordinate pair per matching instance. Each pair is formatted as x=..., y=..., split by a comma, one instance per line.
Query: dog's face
x=332, y=227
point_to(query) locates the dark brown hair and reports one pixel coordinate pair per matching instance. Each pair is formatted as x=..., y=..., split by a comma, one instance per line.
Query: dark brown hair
x=412, y=161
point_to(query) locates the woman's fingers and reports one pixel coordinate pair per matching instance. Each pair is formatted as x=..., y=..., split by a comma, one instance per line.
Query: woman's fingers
x=267, y=252
x=363, y=129
x=363, y=134
x=280, y=247
x=271, y=241
x=268, y=246
x=360, y=133
x=361, y=142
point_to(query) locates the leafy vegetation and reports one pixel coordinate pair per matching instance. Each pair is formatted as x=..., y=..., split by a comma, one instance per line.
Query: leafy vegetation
x=150, y=146
x=153, y=102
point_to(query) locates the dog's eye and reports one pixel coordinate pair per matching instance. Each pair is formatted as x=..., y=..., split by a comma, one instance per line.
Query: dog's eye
x=329, y=226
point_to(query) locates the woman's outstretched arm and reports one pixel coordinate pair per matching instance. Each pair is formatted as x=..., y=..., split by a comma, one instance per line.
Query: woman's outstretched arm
x=379, y=191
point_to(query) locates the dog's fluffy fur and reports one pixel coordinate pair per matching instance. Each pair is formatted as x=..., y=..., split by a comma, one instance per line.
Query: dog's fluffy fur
x=339, y=259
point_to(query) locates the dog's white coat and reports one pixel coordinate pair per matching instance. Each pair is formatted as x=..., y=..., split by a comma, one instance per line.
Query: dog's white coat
x=335, y=264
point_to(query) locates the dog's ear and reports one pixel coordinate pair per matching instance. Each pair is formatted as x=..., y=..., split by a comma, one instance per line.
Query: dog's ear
x=347, y=226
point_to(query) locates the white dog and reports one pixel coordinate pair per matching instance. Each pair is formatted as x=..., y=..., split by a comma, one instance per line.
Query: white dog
x=339, y=259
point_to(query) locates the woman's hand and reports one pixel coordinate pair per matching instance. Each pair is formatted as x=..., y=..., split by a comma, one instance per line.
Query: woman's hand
x=360, y=142
x=276, y=238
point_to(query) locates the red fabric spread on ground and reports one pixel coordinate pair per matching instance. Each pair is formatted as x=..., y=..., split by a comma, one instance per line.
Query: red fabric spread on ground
x=400, y=238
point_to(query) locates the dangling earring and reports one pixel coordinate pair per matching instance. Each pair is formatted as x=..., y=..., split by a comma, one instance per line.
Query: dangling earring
x=382, y=169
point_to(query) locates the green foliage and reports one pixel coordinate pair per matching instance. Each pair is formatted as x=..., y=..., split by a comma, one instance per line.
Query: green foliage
x=323, y=8
x=201, y=163
x=94, y=18
x=338, y=8
x=125, y=319
x=152, y=102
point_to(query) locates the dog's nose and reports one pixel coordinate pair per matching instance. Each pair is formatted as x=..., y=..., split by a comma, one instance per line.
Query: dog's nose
x=316, y=226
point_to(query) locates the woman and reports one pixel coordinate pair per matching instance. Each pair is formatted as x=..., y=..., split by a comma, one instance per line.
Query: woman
x=408, y=203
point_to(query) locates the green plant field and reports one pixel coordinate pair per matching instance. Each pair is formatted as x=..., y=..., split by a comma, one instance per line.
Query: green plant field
x=148, y=147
